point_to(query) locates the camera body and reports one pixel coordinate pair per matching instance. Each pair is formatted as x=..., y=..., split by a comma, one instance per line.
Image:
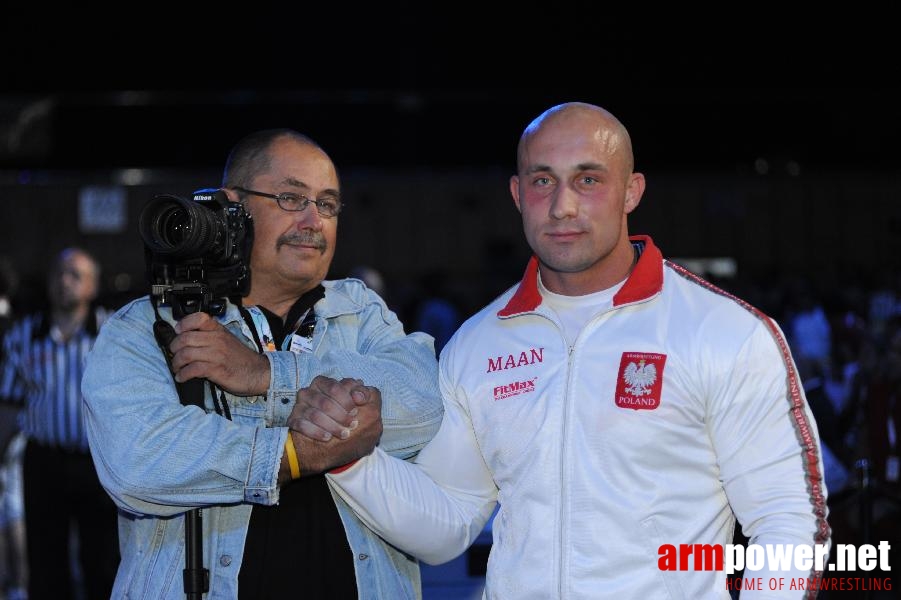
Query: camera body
x=197, y=251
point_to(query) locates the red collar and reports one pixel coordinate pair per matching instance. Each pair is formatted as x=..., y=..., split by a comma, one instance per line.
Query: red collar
x=645, y=280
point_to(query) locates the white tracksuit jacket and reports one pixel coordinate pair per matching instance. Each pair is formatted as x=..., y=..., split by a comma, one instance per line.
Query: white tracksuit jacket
x=674, y=410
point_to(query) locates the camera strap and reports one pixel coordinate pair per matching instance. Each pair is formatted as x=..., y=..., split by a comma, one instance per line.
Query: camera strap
x=297, y=337
x=298, y=342
x=259, y=325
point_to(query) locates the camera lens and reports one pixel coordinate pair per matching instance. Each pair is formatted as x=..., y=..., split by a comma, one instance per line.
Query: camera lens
x=175, y=226
x=179, y=228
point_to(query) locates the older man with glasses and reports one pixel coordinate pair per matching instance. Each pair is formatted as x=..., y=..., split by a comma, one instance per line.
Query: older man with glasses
x=273, y=527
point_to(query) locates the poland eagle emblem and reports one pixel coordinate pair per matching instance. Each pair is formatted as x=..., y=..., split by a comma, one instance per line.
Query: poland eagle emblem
x=640, y=380
x=640, y=377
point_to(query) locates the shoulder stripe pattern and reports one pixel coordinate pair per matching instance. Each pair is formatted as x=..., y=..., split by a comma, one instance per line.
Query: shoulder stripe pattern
x=799, y=418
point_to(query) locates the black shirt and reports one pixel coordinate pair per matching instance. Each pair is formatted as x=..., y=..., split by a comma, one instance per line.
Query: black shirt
x=297, y=548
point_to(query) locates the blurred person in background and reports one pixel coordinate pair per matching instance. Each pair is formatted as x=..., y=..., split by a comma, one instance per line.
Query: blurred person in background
x=65, y=506
x=13, y=562
x=437, y=313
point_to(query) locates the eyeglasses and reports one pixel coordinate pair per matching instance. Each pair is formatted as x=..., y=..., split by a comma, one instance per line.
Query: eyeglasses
x=327, y=208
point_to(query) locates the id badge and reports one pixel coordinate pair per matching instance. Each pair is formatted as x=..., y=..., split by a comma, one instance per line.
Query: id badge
x=301, y=344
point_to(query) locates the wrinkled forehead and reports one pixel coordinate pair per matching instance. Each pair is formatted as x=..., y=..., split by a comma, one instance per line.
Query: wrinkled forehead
x=578, y=134
x=291, y=159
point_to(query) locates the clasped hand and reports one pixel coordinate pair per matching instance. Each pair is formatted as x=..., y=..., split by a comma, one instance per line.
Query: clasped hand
x=340, y=421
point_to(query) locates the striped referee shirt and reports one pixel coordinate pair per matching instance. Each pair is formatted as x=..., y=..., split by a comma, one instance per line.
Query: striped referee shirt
x=43, y=373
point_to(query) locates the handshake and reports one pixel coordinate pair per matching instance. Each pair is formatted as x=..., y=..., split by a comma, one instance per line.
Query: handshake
x=333, y=423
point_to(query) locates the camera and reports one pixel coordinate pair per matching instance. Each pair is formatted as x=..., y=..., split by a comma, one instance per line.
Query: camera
x=197, y=251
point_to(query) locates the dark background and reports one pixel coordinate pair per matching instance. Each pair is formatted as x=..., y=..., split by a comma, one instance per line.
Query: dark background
x=767, y=137
x=399, y=85
x=690, y=128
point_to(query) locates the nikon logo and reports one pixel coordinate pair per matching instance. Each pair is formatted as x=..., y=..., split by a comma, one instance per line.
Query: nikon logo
x=200, y=197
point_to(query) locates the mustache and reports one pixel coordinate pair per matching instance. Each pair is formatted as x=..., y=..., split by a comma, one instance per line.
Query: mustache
x=304, y=238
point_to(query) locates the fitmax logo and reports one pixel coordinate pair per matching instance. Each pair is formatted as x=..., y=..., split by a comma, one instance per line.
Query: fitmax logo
x=514, y=389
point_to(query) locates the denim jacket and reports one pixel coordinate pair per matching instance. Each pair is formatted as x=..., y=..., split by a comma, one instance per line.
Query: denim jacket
x=158, y=458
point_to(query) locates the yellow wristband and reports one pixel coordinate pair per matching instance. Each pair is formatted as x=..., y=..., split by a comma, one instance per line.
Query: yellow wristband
x=291, y=453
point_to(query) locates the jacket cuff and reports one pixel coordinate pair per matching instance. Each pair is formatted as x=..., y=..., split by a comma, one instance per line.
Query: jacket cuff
x=343, y=468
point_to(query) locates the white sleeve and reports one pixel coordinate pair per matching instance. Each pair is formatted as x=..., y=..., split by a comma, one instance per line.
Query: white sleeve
x=434, y=508
x=769, y=453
